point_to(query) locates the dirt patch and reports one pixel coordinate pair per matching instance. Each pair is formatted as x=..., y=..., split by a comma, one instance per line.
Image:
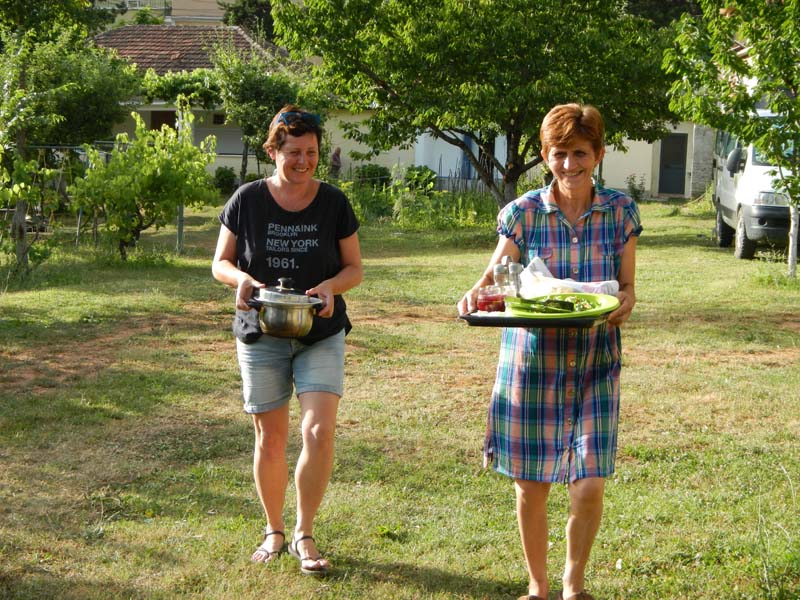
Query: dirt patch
x=403, y=316
x=776, y=357
x=43, y=369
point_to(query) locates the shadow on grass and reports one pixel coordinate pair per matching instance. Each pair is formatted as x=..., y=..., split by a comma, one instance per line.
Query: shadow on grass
x=681, y=240
x=46, y=586
x=428, y=581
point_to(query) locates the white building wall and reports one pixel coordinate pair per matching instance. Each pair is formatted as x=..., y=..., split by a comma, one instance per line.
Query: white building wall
x=397, y=159
x=637, y=161
x=438, y=155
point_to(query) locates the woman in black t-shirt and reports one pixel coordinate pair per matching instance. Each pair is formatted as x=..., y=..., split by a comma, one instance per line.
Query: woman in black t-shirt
x=292, y=225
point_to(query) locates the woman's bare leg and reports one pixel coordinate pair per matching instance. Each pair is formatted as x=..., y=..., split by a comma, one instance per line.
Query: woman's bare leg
x=585, y=512
x=532, y=521
x=314, y=465
x=271, y=472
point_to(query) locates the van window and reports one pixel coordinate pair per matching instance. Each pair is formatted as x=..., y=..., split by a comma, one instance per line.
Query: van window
x=719, y=143
x=725, y=143
x=760, y=158
x=731, y=142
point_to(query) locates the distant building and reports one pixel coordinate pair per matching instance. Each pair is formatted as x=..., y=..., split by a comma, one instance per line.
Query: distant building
x=175, y=48
x=195, y=12
x=174, y=12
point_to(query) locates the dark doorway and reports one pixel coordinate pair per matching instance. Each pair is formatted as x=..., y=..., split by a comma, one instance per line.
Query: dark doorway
x=162, y=117
x=672, y=170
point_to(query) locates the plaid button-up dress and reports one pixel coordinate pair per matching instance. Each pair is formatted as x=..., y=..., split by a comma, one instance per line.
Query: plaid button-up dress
x=555, y=403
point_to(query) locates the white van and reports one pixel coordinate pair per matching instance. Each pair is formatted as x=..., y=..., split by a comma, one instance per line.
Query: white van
x=749, y=210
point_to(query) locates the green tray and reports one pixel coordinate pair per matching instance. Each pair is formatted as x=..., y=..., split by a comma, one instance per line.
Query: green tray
x=602, y=304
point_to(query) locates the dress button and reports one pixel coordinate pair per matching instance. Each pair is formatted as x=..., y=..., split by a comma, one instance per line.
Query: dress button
x=574, y=240
x=575, y=270
x=572, y=363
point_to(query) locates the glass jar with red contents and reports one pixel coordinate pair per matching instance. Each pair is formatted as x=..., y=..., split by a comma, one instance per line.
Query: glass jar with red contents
x=491, y=298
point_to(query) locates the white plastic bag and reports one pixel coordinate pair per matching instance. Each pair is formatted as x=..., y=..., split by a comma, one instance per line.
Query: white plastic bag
x=534, y=283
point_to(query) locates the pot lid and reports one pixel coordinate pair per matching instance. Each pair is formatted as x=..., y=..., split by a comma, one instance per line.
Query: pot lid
x=284, y=293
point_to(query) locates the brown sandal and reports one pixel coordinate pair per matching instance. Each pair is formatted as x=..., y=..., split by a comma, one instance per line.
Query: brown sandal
x=294, y=551
x=270, y=554
x=584, y=595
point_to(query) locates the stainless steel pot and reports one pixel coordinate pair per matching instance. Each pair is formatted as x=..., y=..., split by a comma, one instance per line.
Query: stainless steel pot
x=283, y=311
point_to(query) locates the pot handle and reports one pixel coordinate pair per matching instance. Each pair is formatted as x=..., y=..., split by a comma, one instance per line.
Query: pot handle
x=254, y=302
x=318, y=307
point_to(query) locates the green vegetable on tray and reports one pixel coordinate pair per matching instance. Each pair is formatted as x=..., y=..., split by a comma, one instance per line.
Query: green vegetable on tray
x=548, y=305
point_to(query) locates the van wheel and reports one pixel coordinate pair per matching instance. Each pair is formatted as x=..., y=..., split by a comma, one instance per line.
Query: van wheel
x=724, y=231
x=744, y=246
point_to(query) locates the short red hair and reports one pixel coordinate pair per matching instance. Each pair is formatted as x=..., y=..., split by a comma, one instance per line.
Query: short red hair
x=566, y=122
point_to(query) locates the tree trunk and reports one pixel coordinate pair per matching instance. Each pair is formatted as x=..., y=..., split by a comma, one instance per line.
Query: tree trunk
x=793, y=233
x=18, y=234
x=179, y=241
x=78, y=228
x=243, y=172
x=509, y=191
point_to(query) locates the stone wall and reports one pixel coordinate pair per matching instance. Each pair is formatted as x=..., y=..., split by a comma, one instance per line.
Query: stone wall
x=702, y=167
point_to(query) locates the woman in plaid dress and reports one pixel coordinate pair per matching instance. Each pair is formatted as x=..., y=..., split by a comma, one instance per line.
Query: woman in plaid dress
x=555, y=404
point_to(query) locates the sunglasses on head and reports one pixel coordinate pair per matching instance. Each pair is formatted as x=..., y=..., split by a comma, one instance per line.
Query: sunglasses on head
x=292, y=117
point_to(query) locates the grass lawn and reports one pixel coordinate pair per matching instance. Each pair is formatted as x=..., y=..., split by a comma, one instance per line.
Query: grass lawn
x=125, y=459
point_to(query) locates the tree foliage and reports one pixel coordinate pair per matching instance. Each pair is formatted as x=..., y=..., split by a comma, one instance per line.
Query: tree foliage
x=469, y=72
x=24, y=24
x=36, y=18
x=145, y=16
x=731, y=63
x=87, y=87
x=253, y=15
x=200, y=87
x=252, y=89
x=144, y=181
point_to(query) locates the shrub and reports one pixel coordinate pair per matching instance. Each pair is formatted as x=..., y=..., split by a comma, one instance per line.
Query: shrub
x=421, y=178
x=251, y=177
x=224, y=179
x=147, y=178
x=443, y=210
x=368, y=203
x=376, y=176
x=636, y=187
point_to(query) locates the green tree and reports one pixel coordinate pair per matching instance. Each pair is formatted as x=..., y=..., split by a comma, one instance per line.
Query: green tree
x=469, y=72
x=252, y=89
x=88, y=87
x=146, y=180
x=730, y=63
x=253, y=15
x=200, y=87
x=145, y=16
x=24, y=24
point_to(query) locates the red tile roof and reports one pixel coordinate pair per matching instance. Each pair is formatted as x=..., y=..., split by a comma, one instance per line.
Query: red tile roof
x=173, y=47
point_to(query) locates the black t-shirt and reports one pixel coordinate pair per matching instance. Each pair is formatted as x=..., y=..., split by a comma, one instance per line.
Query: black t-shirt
x=304, y=245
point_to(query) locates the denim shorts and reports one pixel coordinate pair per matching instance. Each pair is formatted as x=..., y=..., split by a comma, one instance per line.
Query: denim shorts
x=272, y=368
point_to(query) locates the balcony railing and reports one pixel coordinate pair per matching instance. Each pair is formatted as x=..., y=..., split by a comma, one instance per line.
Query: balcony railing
x=163, y=6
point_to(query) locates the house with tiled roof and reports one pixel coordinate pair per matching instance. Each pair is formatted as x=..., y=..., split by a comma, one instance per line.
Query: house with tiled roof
x=176, y=48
